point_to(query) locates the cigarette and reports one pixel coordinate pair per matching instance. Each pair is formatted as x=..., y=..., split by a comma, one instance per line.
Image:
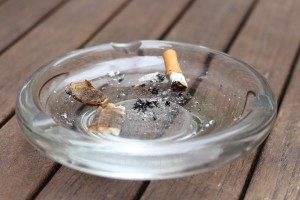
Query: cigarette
x=85, y=93
x=173, y=71
x=108, y=120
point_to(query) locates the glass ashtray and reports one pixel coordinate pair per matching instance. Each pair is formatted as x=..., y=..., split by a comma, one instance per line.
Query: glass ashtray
x=227, y=110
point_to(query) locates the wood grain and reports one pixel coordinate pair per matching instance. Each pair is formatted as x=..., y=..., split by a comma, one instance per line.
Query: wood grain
x=210, y=23
x=65, y=44
x=17, y=16
x=278, y=171
x=70, y=184
x=58, y=187
x=67, y=183
x=61, y=32
x=22, y=168
x=268, y=41
x=142, y=19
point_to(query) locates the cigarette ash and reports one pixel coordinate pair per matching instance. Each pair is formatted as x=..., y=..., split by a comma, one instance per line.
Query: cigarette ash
x=160, y=77
x=154, y=90
x=147, y=118
x=183, y=98
x=116, y=76
x=168, y=103
x=144, y=105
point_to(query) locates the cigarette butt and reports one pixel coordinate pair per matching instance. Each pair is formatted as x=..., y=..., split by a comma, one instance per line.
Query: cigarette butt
x=171, y=62
x=108, y=120
x=85, y=93
x=173, y=70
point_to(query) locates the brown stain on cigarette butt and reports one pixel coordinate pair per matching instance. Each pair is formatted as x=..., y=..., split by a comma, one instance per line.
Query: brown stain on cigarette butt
x=108, y=118
x=85, y=93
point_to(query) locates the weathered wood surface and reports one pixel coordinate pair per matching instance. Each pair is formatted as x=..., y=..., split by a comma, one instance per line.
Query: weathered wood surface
x=142, y=19
x=61, y=32
x=18, y=16
x=278, y=170
x=70, y=184
x=169, y=16
x=269, y=42
x=22, y=168
x=59, y=182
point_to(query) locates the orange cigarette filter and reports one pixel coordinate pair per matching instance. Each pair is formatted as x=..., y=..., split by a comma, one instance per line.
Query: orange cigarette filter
x=171, y=62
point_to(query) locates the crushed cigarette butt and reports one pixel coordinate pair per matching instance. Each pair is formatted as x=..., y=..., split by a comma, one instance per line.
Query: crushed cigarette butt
x=173, y=70
x=87, y=94
x=108, y=120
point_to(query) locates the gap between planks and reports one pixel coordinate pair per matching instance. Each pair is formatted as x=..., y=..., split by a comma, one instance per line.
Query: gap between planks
x=176, y=20
x=145, y=184
x=30, y=28
x=11, y=114
x=21, y=35
x=114, y=14
x=266, y=63
x=110, y=18
x=261, y=147
x=39, y=22
x=58, y=166
x=161, y=37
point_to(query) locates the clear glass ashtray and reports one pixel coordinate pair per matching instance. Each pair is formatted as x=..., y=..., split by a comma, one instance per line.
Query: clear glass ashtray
x=227, y=110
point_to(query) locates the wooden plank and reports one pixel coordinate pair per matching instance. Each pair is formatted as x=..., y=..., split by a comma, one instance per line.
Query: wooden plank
x=22, y=169
x=269, y=42
x=210, y=23
x=47, y=165
x=278, y=170
x=203, y=14
x=75, y=185
x=67, y=183
x=17, y=16
x=58, y=187
x=142, y=19
x=61, y=32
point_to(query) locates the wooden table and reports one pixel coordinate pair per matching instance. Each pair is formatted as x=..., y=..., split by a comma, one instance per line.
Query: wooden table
x=264, y=33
